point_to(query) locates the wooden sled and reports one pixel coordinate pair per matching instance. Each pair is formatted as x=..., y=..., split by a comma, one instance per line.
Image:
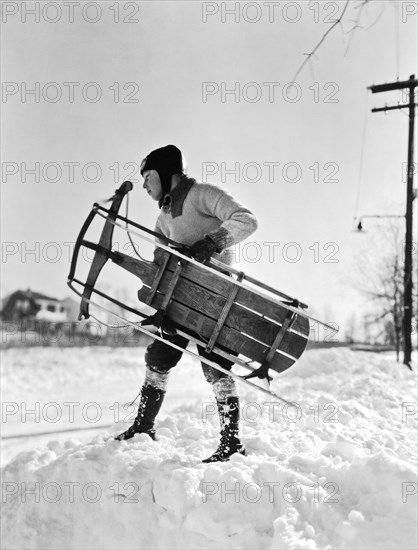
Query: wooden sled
x=210, y=304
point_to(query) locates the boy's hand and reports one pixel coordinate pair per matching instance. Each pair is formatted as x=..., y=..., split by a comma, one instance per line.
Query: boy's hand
x=203, y=250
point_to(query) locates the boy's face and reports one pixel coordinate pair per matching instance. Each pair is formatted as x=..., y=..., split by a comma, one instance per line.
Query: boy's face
x=152, y=184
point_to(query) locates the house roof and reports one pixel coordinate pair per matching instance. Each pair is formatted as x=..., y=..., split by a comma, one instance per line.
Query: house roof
x=40, y=296
x=27, y=293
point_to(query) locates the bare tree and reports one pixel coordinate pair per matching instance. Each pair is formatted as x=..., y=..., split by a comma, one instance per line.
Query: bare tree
x=379, y=277
x=352, y=13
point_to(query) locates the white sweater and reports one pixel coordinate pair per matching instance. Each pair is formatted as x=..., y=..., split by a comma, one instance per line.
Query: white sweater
x=193, y=210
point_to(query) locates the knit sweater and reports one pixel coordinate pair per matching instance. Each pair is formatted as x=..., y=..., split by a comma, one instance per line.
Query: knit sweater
x=194, y=210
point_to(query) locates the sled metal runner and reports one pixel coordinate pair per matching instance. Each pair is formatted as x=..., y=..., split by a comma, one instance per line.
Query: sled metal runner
x=204, y=303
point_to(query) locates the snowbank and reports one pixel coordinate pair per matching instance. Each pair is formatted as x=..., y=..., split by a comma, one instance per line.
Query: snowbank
x=338, y=471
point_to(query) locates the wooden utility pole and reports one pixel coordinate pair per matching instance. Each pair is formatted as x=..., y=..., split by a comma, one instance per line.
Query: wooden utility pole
x=407, y=304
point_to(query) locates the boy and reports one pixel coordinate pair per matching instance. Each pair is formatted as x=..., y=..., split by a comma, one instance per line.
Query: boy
x=209, y=220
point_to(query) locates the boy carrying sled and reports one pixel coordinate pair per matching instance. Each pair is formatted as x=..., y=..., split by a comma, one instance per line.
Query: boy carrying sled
x=209, y=220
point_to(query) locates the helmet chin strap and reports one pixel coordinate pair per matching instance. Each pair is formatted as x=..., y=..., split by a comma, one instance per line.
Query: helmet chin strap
x=166, y=183
x=165, y=180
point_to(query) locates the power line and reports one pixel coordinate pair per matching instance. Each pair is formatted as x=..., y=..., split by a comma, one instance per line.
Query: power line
x=363, y=136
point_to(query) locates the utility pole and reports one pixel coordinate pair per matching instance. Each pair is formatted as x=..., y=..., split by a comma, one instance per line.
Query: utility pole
x=407, y=304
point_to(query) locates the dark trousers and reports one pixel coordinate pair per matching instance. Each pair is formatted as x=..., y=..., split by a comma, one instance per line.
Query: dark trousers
x=164, y=357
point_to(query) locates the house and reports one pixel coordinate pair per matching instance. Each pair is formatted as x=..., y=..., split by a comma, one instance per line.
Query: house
x=28, y=305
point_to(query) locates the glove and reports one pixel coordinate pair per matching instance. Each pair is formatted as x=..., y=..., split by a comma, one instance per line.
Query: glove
x=203, y=250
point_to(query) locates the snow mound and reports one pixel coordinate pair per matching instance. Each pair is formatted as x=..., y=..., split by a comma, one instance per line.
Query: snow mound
x=338, y=471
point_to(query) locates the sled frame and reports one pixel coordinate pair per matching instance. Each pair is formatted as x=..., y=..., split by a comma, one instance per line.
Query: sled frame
x=153, y=272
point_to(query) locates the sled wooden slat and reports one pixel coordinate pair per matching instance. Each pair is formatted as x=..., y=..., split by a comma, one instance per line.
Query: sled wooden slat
x=172, y=285
x=162, y=261
x=279, y=337
x=222, y=318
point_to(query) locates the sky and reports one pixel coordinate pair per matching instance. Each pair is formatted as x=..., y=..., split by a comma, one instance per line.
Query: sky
x=112, y=81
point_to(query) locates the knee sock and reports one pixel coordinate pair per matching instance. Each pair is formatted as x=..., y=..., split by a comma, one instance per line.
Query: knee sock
x=156, y=377
x=223, y=388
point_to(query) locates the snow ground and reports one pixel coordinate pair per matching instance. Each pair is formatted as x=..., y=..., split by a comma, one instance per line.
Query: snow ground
x=337, y=471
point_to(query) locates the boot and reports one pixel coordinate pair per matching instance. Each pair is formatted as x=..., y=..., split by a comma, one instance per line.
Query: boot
x=230, y=442
x=151, y=400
